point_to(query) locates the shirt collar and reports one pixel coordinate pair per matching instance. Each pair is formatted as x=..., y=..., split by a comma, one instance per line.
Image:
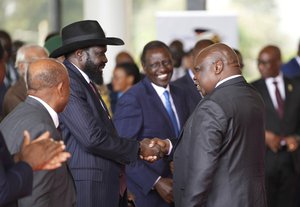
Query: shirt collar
x=160, y=90
x=278, y=79
x=52, y=113
x=191, y=74
x=227, y=79
x=86, y=77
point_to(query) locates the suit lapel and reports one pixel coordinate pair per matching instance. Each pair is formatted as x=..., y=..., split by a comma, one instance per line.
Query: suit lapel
x=157, y=103
x=74, y=73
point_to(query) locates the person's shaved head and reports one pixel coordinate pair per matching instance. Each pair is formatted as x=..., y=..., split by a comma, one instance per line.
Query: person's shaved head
x=213, y=64
x=45, y=73
x=48, y=79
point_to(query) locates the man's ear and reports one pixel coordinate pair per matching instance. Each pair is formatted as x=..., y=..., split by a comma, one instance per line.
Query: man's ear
x=80, y=54
x=59, y=89
x=219, y=66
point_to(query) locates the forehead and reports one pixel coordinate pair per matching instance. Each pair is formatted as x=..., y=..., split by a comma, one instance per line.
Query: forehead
x=265, y=55
x=157, y=52
x=200, y=58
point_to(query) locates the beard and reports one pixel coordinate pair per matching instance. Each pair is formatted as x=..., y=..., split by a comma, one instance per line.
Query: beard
x=93, y=71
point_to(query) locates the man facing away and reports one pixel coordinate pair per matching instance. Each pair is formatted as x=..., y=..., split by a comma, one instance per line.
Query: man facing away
x=48, y=94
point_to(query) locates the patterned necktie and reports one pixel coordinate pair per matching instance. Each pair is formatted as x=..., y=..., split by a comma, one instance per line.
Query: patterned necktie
x=280, y=102
x=171, y=112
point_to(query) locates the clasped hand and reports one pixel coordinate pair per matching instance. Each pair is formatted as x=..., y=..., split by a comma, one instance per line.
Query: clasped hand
x=153, y=149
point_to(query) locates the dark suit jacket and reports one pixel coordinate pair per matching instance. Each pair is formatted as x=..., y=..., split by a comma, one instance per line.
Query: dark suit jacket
x=192, y=94
x=291, y=69
x=16, y=94
x=140, y=114
x=15, y=178
x=219, y=160
x=50, y=188
x=290, y=124
x=98, y=153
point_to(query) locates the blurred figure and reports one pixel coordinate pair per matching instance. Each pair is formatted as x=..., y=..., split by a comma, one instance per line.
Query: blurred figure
x=53, y=42
x=48, y=94
x=16, y=45
x=125, y=75
x=177, y=51
x=18, y=92
x=124, y=57
x=282, y=101
x=240, y=58
x=186, y=82
x=292, y=68
x=11, y=73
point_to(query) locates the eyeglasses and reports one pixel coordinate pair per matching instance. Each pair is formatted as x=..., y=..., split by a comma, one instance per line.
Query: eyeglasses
x=157, y=65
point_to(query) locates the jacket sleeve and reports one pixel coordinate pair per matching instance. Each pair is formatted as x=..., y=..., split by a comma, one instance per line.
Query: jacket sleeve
x=91, y=131
x=15, y=178
x=207, y=133
x=128, y=119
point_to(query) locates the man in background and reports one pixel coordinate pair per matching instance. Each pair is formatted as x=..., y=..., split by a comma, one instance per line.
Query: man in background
x=282, y=100
x=17, y=93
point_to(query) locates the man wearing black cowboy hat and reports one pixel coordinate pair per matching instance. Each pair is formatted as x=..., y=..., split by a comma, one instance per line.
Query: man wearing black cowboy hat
x=98, y=153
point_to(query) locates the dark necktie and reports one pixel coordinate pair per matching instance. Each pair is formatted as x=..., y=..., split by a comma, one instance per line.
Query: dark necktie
x=99, y=98
x=280, y=102
x=171, y=112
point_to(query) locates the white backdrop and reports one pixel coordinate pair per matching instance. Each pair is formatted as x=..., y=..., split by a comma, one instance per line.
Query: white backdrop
x=181, y=25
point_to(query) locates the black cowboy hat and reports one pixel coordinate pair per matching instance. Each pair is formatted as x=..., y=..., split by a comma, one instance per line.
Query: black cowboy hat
x=83, y=34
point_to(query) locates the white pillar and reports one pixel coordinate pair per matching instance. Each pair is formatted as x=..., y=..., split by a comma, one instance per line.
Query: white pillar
x=113, y=16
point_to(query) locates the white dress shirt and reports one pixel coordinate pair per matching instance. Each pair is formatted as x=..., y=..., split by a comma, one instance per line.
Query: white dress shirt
x=271, y=88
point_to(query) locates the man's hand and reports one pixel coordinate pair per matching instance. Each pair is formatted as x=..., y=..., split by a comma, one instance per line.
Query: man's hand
x=149, y=152
x=164, y=187
x=291, y=143
x=272, y=141
x=163, y=143
x=43, y=153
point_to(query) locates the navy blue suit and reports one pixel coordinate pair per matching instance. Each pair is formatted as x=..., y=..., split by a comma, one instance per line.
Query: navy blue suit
x=192, y=94
x=98, y=154
x=291, y=69
x=15, y=178
x=140, y=114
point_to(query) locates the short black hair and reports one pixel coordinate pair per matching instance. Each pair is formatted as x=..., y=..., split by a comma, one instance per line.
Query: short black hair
x=131, y=69
x=152, y=45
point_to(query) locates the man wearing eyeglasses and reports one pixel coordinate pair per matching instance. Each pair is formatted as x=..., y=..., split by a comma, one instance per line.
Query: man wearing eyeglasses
x=152, y=108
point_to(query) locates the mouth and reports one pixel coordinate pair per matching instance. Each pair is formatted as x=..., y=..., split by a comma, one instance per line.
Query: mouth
x=162, y=76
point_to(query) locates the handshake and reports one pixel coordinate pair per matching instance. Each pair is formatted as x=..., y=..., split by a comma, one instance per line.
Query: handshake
x=153, y=149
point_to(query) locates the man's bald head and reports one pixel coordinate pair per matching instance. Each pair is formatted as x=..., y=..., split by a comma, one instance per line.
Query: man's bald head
x=213, y=64
x=45, y=73
x=48, y=79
